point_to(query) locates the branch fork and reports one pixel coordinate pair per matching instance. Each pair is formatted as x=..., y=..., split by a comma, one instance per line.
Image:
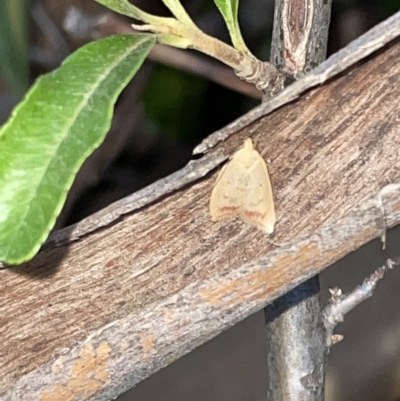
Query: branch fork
x=339, y=304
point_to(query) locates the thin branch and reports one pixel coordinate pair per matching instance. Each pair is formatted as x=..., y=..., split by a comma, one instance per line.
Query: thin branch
x=260, y=73
x=340, y=305
x=204, y=67
x=81, y=26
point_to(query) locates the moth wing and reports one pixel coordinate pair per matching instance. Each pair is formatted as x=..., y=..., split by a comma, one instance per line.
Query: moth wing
x=258, y=203
x=226, y=198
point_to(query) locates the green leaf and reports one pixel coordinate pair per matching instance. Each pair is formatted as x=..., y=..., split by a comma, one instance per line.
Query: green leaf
x=63, y=118
x=229, y=10
x=14, y=44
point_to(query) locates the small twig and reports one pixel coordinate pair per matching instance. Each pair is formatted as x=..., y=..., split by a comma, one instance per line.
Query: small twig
x=203, y=67
x=182, y=32
x=340, y=305
x=81, y=26
x=184, y=60
x=264, y=75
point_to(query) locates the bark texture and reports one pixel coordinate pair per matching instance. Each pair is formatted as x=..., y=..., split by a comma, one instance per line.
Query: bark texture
x=294, y=320
x=295, y=332
x=90, y=318
x=300, y=42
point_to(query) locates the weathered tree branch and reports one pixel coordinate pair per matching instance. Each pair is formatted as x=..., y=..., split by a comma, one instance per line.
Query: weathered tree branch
x=92, y=317
x=340, y=305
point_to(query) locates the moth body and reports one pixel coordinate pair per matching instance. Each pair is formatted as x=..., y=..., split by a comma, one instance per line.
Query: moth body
x=243, y=189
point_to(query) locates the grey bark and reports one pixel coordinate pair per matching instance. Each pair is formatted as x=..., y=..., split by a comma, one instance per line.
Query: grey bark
x=300, y=35
x=295, y=337
x=294, y=326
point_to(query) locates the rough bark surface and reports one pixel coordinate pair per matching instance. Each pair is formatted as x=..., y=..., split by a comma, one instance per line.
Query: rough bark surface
x=89, y=319
x=299, y=41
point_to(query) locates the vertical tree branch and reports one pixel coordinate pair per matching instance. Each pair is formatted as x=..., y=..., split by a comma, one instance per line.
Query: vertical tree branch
x=296, y=335
x=300, y=35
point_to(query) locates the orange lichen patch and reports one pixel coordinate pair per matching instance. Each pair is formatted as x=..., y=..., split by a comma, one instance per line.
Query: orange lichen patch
x=267, y=281
x=84, y=387
x=93, y=363
x=88, y=375
x=57, y=393
x=147, y=343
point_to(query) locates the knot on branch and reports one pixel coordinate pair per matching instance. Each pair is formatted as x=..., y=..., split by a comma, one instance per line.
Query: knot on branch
x=265, y=76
